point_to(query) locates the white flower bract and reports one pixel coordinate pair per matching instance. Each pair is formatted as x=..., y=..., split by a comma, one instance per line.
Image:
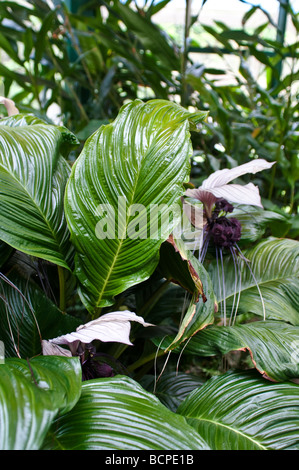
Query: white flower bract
x=217, y=184
x=10, y=106
x=111, y=327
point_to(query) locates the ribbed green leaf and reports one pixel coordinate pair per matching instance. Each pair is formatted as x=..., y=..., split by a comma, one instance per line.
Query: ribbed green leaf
x=142, y=158
x=118, y=414
x=240, y=411
x=273, y=345
x=275, y=264
x=31, y=395
x=27, y=315
x=33, y=175
x=172, y=388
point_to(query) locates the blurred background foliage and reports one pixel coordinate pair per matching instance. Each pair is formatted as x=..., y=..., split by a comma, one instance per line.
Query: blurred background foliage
x=77, y=62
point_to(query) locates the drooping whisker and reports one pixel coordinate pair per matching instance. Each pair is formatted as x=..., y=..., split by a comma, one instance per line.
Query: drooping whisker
x=205, y=246
x=238, y=277
x=155, y=364
x=240, y=281
x=235, y=289
x=163, y=369
x=8, y=316
x=198, y=245
x=219, y=283
x=180, y=355
x=223, y=286
x=185, y=305
x=255, y=280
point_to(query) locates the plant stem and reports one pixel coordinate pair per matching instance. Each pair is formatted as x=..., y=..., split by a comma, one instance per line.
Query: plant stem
x=144, y=360
x=184, y=92
x=292, y=197
x=277, y=159
x=153, y=299
x=117, y=350
x=61, y=288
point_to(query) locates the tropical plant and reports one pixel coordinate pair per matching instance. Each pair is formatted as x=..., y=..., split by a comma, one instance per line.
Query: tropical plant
x=77, y=270
x=86, y=63
x=81, y=66
x=252, y=105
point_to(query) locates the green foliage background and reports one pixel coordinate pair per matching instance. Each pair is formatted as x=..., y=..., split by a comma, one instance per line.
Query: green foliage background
x=218, y=387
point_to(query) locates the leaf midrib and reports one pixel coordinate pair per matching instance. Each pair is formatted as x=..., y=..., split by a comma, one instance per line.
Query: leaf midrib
x=217, y=423
x=123, y=239
x=24, y=188
x=120, y=243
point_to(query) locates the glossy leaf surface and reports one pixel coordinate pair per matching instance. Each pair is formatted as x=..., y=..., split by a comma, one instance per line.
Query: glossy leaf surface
x=172, y=388
x=242, y=411
x=31, y=395
x=131, y=166
x=273, y=346
x=33, y=175
x=27, y=316
x=118, y=414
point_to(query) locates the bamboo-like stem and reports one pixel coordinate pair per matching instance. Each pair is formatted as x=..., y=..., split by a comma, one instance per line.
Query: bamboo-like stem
x=292, y=198
x=184, y=92
x=61, y=278
x=145, y=360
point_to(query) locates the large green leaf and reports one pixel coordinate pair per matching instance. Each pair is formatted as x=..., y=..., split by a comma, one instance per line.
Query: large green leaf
x=240, y=411
x=273, y=346
x=117, y=413
x=172, y=388
x=33, y=175
x=142, y=159
x=27, y=316
x=31, y=395
x=255, y=221
x=275, y=264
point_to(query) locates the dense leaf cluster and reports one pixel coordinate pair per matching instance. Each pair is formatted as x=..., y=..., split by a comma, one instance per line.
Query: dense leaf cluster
x=219, y=367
